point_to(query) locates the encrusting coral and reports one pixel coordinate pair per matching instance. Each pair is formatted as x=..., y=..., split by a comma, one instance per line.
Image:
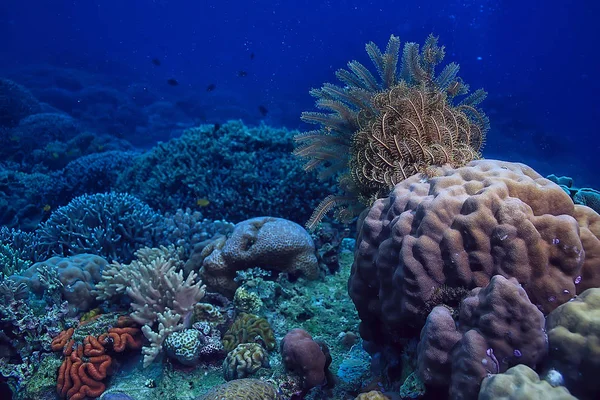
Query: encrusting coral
x=381, y=130
x=242, y=389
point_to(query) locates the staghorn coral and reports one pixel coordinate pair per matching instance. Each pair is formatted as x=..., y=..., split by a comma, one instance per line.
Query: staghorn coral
x=459, y=229
x=381, y=130
x=248, y=328
x=245, y=360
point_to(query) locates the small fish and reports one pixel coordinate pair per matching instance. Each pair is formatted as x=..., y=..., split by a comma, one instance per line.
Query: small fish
x=252, y=56
x=242, y=73
x=156, y=61
x=263, y=110
x=47, y=208
x=211, y=87
x=172, y=82
x=202, y=202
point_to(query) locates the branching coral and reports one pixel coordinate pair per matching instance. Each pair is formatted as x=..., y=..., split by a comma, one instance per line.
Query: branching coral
x=379, y=131
x=159, y=293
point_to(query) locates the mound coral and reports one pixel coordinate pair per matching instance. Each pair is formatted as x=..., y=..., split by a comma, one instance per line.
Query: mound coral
x=382, y=130
x=242, y=389
x=307, y=357
x=520, y=383
x=574, y=338
x=497, y=328
x=266, y=242
x=457, y=230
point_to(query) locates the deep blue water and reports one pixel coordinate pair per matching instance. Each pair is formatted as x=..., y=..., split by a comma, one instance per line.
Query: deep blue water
x=537, y=59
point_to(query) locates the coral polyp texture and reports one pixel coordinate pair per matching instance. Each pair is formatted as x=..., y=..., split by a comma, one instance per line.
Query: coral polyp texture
x=435, y=235
x=381, y=130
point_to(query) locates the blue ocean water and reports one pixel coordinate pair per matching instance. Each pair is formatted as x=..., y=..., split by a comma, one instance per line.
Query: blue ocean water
x=534, y=58
x=122, y=96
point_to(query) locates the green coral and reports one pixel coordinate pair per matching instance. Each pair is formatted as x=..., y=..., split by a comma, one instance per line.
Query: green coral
x=247, y=328
x=246, y=301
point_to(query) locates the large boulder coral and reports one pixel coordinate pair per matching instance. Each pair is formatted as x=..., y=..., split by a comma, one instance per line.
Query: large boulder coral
x=266, y=242
x=452, y=231
x=574, y=339
x=497, y=328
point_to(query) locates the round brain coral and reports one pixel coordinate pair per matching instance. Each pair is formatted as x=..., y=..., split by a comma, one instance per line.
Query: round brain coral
x=439, y=235
x=242, y=389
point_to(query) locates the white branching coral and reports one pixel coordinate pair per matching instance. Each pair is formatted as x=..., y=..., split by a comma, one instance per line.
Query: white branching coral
x=160, y=295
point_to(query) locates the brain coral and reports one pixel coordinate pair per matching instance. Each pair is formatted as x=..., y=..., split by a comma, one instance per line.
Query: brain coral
x=249, y=328
x=267, y=242
x=242, y=389
x=574, y=339
x=458, y=228
x=520, y=383
x=244, y=360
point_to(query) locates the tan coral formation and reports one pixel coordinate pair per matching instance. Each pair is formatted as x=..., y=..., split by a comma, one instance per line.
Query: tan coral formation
x=459, y=228
x=574, y=339
x=520, y=383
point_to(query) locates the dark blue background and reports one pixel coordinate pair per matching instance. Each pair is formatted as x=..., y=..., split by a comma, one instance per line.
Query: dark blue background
x=537, y=59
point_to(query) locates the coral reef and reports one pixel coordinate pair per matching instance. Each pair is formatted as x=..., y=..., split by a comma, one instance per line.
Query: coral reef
x=266, y=242
x=457, y=230
x=76, y=277
x=520, y=383
x=383, y=130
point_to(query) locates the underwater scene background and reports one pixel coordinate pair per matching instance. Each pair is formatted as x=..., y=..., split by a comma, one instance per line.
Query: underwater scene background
x=299, y=200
